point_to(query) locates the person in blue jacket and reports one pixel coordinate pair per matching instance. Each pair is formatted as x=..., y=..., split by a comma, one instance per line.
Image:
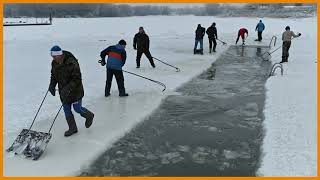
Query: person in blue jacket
x=116, y=59
x=260, y=28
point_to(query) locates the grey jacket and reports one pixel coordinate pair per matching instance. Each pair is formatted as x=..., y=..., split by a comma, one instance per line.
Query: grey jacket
x=287, y=35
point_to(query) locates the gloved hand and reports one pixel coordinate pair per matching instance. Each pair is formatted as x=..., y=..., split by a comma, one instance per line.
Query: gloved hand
x=299, y=34
x=103, y=62
x=52, y=90
x=65, y=92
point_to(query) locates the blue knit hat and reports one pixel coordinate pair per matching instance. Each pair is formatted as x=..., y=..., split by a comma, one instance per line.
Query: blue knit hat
x=55, y=51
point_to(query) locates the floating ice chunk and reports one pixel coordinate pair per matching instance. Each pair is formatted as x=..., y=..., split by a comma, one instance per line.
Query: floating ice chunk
x=251, y=109
x=212, y=129
x=230, y=154
x=184, y=148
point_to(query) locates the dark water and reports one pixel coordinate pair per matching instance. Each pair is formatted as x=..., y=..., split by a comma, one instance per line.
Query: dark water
x=213, y=128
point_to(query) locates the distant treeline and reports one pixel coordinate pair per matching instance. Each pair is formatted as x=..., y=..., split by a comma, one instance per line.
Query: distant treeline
x=82, y=10
x=124, y=10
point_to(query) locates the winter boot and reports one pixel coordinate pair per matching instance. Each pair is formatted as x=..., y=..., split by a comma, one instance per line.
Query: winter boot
x=72, y=126
x=209, y=50
x=284, y=59
x=107, y=89
x=152, y=62
x=123, y=94
x=287, y=59
x=89, y=117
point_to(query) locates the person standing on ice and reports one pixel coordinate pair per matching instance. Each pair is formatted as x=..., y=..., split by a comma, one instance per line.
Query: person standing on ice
x=260, y=28
x=116, y=59
x=65, y=71
x=212, y=35
x=200, y=32
x=141, y=43
x=286, y=38
x=242, y=32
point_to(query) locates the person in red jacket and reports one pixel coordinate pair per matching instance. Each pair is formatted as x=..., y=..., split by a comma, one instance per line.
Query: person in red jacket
x=242, y=33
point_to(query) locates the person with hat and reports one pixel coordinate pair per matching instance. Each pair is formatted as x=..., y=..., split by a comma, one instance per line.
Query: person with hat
x=286, y=43
x=116, y=59
x=212, y=35
x=141, y=43
x=242, y=32
x=65, y=71
x=260, y=28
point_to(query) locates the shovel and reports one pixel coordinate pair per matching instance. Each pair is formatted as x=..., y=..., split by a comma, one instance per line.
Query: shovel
x=224, y=43
x=31, y=143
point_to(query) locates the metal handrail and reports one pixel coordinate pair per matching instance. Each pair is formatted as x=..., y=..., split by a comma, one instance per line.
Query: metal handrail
x=275, y=41
x=274, y=68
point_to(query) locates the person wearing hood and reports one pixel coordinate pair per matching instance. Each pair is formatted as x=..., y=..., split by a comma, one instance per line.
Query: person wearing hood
x=200, y=32
x=260, y=28
x=286, y=43
x=116, y=59
x=141, y=43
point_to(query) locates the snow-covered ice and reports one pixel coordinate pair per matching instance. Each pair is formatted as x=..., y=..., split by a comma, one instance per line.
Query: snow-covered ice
x=290, y=113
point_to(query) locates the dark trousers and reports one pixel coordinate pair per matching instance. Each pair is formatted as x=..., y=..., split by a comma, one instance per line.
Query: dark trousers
x=285, y=50
x=212, y=40
x=242, y=37
x=259, y=36
x=148, y=55
x=120, y=81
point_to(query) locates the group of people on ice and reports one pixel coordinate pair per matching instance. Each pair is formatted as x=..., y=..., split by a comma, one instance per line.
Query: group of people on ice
x=65, y=69
x=213, y=36
x=242, y=32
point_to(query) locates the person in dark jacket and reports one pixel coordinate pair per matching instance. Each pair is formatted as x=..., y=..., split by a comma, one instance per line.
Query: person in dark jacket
x=200, y=32
x=141, y=43
x=65, y=71
x=212, y=35
x=260, y=27
x=242, y=33
x=116, y=59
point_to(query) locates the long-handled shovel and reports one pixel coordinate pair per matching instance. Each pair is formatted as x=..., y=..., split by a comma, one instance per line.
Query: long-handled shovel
x=224, y=43
x=31, y=143
x=157, y=82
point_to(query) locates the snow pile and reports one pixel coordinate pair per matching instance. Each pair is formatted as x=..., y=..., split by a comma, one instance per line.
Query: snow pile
x=290, y=144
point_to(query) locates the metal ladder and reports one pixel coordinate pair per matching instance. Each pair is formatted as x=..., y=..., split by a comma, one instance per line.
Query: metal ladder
x=268, y=54
x=275, y=41
x=275, y=66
